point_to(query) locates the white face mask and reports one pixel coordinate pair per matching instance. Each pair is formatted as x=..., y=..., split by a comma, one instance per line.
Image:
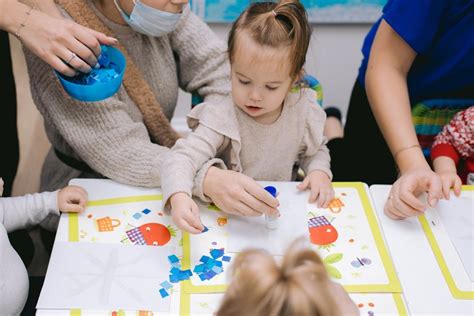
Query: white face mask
x=148, y=20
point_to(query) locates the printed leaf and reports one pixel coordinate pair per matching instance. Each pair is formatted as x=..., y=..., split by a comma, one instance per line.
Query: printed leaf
x=333, y=272
x=333, y=258
x=171, y=230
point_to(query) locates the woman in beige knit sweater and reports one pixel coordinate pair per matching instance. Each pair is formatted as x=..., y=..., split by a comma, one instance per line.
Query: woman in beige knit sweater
x=124, y=137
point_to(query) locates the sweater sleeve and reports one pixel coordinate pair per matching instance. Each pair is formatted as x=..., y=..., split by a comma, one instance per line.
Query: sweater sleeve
x=182, y=163
x=315, y=154
x=203, y=64
x=107, y=135
x=456, y=140
x=23, y=211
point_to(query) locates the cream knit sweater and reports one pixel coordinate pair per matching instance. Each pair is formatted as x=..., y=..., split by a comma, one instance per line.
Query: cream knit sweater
x=263, y=152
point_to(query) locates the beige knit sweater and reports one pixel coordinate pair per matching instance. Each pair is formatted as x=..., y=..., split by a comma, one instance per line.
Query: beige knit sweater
x=263, y=152
x=110, y=135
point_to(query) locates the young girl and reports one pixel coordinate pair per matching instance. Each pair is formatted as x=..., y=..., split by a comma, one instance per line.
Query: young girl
x=299, y=286
x=20, y=212
x=267, y=126
x=453, y=152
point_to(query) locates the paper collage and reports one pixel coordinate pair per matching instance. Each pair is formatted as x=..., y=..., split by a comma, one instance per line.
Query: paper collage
x=140, y=221
x=106, y=276
x=123, y=223
x=453, y=247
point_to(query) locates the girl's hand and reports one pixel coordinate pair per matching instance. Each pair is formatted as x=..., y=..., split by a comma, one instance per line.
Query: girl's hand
x=321, y=188
x=236, y=193
x=403, y=200
x=185, y=213
x=72, y=199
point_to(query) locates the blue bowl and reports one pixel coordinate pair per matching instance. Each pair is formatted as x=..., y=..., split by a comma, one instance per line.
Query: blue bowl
x=101, y=83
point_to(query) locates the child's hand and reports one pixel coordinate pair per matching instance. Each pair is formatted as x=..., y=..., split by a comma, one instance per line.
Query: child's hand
x=321, y=188
x=72, y=199
x=450, y=180
x=185, y=213
x=445, y=168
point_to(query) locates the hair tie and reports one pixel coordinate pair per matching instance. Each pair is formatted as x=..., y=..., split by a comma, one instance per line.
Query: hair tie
x=274, y=13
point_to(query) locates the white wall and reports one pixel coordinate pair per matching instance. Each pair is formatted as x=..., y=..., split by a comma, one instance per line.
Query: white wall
x=334, y=58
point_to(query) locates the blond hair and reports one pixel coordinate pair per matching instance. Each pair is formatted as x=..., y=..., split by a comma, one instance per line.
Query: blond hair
x=276, y=25
x=299, y=286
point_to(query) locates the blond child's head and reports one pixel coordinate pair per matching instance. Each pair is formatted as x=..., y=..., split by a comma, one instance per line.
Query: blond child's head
x=299, y=286
x=267, y=50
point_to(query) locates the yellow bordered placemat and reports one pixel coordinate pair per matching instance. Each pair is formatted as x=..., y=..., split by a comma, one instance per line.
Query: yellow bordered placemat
x=73, y=218
x=401, y=309
x=393, y=285
x=453, y=288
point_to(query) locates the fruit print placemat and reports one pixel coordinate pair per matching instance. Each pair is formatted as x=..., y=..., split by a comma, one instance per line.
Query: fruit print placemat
x=346, y=235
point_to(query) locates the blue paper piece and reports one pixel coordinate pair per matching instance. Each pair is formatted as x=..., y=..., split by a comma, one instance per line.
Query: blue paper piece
x=146, y=211
x=204, y=259
x=210, y=274
x=203, y=277
x=175, y=271
x=172, y=258
x=226, y=258
x=217, y=269
x=199, y=268
x=217, y=253
x=104, y=59
x=174, y=278
x=183, y=276
x=163, y=293
x=166, y=285
x=137, y=216
x=205, y=229
x=219, y=263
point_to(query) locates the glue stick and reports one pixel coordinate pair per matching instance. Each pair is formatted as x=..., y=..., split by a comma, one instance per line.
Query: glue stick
x=271, y=222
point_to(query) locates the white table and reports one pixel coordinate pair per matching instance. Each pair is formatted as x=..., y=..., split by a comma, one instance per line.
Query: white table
x=424, y=287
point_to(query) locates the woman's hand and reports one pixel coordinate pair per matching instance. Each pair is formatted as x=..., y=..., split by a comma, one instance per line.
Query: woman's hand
x=236, y=193
x=403, y=200
x=65, y=45
x=57, y=41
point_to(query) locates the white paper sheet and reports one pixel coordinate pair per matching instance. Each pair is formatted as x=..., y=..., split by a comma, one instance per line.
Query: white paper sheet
x=457, y=215
x=106, y=276
x=251, y=232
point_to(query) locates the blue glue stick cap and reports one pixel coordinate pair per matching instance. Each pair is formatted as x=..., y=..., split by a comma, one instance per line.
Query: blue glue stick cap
x=272, y=190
